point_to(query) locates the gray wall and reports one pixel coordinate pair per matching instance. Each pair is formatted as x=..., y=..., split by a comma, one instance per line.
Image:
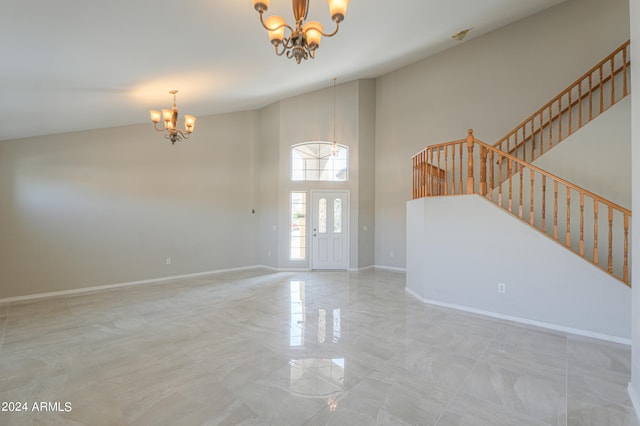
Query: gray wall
x=268, y=148
x=545, y=282
x=366, y=173
x=489, y=84
x=109, y=206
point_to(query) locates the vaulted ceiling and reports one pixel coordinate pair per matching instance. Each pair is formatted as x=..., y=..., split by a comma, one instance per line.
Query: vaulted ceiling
x=82, y=64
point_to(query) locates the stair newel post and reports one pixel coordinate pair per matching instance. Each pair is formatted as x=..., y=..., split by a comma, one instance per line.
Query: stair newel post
x=470, y=182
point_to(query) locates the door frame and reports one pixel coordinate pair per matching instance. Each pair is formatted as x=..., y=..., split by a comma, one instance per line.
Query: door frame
x=346, y=224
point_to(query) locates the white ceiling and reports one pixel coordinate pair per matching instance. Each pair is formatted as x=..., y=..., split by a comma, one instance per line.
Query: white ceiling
x=82, y=64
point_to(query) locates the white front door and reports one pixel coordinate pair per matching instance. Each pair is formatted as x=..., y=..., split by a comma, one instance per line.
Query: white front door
x=330, y=229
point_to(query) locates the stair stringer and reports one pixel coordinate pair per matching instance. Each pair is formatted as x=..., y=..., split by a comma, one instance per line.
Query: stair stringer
x=459, y=248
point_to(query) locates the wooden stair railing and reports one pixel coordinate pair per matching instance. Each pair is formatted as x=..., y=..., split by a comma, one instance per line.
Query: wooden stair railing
x=548, y=203
x=589, y=96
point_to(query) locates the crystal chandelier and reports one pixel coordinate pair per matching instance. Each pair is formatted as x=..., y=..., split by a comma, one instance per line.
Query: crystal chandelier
x=170, y=118
x=304, y=39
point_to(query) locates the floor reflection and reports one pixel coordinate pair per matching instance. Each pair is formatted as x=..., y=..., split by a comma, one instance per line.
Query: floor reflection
x=298, y=314
x=315, y=377
x=299, y=320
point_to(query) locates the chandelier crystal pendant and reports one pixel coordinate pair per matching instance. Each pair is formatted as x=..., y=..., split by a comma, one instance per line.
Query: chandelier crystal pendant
x=170, y=118
x=304, y=38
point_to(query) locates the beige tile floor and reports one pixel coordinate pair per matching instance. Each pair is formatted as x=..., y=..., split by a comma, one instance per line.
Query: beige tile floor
x=256, y=347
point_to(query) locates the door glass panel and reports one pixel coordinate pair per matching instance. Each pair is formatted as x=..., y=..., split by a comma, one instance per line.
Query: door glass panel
x=322, y=216
x=297, y=237
x=337, y=216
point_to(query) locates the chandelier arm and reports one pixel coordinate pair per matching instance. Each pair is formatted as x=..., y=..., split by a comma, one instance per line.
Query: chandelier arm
x=285, y=25
x=155, y=126
x=182, y=134
x=284, y=49
x=287, y=43
x=323, y=33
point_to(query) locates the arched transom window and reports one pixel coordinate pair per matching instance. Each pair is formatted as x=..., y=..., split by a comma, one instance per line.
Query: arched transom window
x=314, y=161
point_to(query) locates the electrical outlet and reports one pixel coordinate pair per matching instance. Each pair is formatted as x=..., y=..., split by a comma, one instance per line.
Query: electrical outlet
x=392, y=254
x=502, y=288
x=168, y=261
x=268, y=253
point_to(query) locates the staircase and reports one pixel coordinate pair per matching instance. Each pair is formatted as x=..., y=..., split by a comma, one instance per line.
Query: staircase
x=593, y=227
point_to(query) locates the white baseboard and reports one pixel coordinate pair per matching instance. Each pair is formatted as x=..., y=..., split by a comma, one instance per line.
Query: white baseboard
x=364, y=268
x=634, y=399
x=390, y=268
x=274, y=269
x=570, y=330
x=119, y=285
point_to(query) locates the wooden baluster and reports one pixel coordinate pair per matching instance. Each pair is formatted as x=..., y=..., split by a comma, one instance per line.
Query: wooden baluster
x=560, y=137
x=446, y=170
x=436, y=175
x=555, y=210
x=590, y=96
x=550, y=126
x=544, y=204
x=460, y=182
x=570, y=111
x=452, y=188
x=524, y=143
x=601, y=91
x=433, y=169
x=423, y=176
x=613, y=82
x=509, y=172
x=568, y=242
x=520, y=144
x=580, y=104
x=625, y=87
x=416, y=177
x=429, y=172
x=595, y=231
x=517, y=146
x=500, y=180
x=483, y=171
x=453, y=169
x=413, y=178
x=491, y=180
x=625, y=271
x=541, y=138
x=470, y=180
x=533, y=141
x=531, y=177
x=582, y=224
x=610, y=263
x=521, y=172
